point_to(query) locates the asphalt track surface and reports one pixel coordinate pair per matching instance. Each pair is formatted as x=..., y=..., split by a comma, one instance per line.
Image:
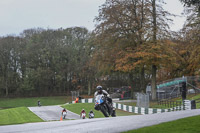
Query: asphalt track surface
x=52, y=113
x=99, y=125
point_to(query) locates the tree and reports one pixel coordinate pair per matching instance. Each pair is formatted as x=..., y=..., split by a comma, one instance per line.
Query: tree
x=122, y=24
x=191, y=35
x=9, y=64
x=190, y=3
x=43, y=62
x=127, y=31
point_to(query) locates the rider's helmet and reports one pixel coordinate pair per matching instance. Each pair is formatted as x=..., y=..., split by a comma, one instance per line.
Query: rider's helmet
x=99, y=89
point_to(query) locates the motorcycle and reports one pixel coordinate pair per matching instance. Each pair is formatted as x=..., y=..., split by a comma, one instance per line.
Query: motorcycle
x=64, y=114
x=91, y=115
x=39, y=104
x=83, y=115
x=102, y=105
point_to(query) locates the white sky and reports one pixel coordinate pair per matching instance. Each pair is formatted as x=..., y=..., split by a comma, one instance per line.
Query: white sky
x=18, y=15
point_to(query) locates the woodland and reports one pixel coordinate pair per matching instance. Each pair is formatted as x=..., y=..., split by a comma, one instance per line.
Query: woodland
x=131, y=45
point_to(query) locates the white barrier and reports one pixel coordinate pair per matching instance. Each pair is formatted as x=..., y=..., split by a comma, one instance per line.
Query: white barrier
x=140, y=110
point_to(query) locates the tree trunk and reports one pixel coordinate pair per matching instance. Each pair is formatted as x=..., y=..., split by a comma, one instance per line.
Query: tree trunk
x=154, y=68
x=6, y=88
x=154, y=21
x=5, y=79
x=89, y=88
x=131, y=83
x=142, y=80
x=153, y=84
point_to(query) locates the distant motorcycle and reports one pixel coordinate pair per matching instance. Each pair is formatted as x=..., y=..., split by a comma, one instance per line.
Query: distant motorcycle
x=83, y=115
x=91, y=115
x=39, y=104
x=64, y=114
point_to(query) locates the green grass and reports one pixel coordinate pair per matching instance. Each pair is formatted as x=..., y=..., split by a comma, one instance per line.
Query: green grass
x=196, y=97
x=76, y=108
x=29, y=102
x=128, y=103
x=124, y=113
x=185, y=125
x=17, y=116
x=152, y=104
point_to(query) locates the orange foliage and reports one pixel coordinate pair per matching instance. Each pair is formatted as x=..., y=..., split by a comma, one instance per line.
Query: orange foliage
x=148, y=54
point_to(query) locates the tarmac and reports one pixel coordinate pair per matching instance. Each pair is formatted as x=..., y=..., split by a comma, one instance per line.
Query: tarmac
x=99, y=125
x=52, y=113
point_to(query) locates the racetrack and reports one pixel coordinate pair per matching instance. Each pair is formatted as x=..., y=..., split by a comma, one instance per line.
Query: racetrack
x=99, y=125
x=52, y=113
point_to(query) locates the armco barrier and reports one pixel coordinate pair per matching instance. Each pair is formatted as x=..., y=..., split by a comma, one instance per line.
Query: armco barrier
x=133, y=109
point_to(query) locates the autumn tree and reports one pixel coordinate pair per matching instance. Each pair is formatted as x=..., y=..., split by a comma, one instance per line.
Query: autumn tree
x=190, y=36
x=131, y=29
x=122, y=24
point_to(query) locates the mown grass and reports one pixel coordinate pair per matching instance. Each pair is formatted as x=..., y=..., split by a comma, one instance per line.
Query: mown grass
x=76, y=108
x=17, y=116
x=185, y=125
x=29, y=102
x=124, y=113
x=194, y=97
x=152, y=105
x=128, y=103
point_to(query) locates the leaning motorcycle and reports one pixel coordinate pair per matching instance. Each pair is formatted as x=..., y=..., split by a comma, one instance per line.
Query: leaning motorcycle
x=64, y=114
x=101, y=104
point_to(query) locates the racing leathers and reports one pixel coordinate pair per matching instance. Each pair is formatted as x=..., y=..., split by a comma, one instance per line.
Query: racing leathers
x=105, y=93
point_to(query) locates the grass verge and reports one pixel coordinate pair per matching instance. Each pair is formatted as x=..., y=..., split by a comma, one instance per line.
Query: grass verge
x=185, y=125
x=124, y=113
x=17, y=116
x=29, y=102
x=198, y=101
x=76, y=108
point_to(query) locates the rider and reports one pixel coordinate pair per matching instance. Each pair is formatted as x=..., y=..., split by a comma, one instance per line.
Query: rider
x=82, y=112
x=39, y=103
x=91, y=114
x=64, y=112
x=105, y=93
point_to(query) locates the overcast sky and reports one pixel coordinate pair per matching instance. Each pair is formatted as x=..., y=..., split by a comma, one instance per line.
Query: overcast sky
x=18, y=15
